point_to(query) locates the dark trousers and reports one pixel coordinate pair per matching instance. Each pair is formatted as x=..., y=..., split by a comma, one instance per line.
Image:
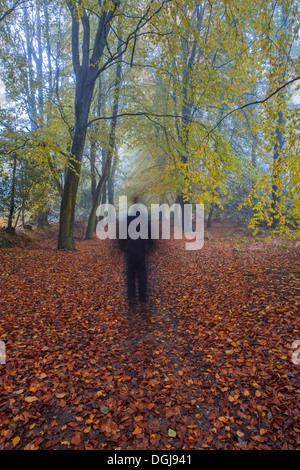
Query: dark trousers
x=136, y=269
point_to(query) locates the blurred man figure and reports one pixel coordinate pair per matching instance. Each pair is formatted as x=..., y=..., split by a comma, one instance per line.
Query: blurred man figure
x=136, y=246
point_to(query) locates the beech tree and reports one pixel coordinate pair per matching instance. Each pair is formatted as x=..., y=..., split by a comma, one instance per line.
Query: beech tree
x=227, y=73
x=108, y=154
x=99, y=51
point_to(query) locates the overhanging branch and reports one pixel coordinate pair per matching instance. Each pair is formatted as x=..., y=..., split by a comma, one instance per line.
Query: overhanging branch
x=252, y=103
x=139, y=113
x=176, y=116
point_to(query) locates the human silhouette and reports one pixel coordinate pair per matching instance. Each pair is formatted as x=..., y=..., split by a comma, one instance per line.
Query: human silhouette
x=136, y=250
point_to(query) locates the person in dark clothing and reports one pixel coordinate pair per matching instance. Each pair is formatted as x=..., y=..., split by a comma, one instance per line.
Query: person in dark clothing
x=136, y=266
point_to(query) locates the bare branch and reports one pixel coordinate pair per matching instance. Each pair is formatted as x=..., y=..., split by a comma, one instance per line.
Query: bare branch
x=252, y=103
x=141, y=113
x=8, y=12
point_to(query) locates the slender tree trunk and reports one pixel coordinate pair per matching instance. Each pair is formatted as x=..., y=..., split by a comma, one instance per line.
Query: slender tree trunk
x=23, y=213
x=210, y=215
x=189, y=57
x=92, y=218
x=99, y=110
x=279, y=143
x=103, y=193
x=93, y=169
x=10, y=228
x=48, y=48
x=86, y=68
x=108, y=160
x=39, y=64
x=31, y=101
x=17, y=219
x=276, y=176
x=253, y=151
x=110, y=190
x=110, y=183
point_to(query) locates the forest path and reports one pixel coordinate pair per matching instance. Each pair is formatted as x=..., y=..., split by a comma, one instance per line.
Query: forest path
x=206, y=365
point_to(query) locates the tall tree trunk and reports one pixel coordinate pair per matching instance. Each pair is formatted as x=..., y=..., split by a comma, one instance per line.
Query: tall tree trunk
x=93, y=169
x=67, y=210
x=92, y=218
x=109, y=155
x=31, y=101
x=17, y=219
x=111, y=181
x=99, y=110
x=189, y=57
x=254, y=150
x=39, y=65
x=48, y=48
x=279, y=143
x=110, y=190
x=277, y=157
x=10, y=228
x=210, y=215
x=103, y=193
x=86, y=68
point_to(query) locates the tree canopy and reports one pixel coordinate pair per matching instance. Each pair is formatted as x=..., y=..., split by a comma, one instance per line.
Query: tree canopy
x=204, y=106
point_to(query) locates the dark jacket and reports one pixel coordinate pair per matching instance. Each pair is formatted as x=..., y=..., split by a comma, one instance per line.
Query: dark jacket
x=136, y=249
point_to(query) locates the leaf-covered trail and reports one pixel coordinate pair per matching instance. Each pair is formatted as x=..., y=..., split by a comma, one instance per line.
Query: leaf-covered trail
x=207, y=365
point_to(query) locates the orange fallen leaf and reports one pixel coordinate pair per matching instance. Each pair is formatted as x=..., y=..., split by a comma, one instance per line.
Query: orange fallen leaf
x=139, y=418
x=223, y=419
x=16, y=441
x=262, y=431
x=137, y=431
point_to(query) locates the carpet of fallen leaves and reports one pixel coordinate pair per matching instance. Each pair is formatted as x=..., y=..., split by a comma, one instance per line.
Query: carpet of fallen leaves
x=207, y=365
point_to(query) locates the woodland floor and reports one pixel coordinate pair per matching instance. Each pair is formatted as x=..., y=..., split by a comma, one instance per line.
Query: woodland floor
x=207, y=365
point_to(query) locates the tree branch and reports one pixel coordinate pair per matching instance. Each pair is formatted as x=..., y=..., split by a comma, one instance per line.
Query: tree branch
x=252, y=103
x=139, y=113
x=8, y=12
x=143, y=21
